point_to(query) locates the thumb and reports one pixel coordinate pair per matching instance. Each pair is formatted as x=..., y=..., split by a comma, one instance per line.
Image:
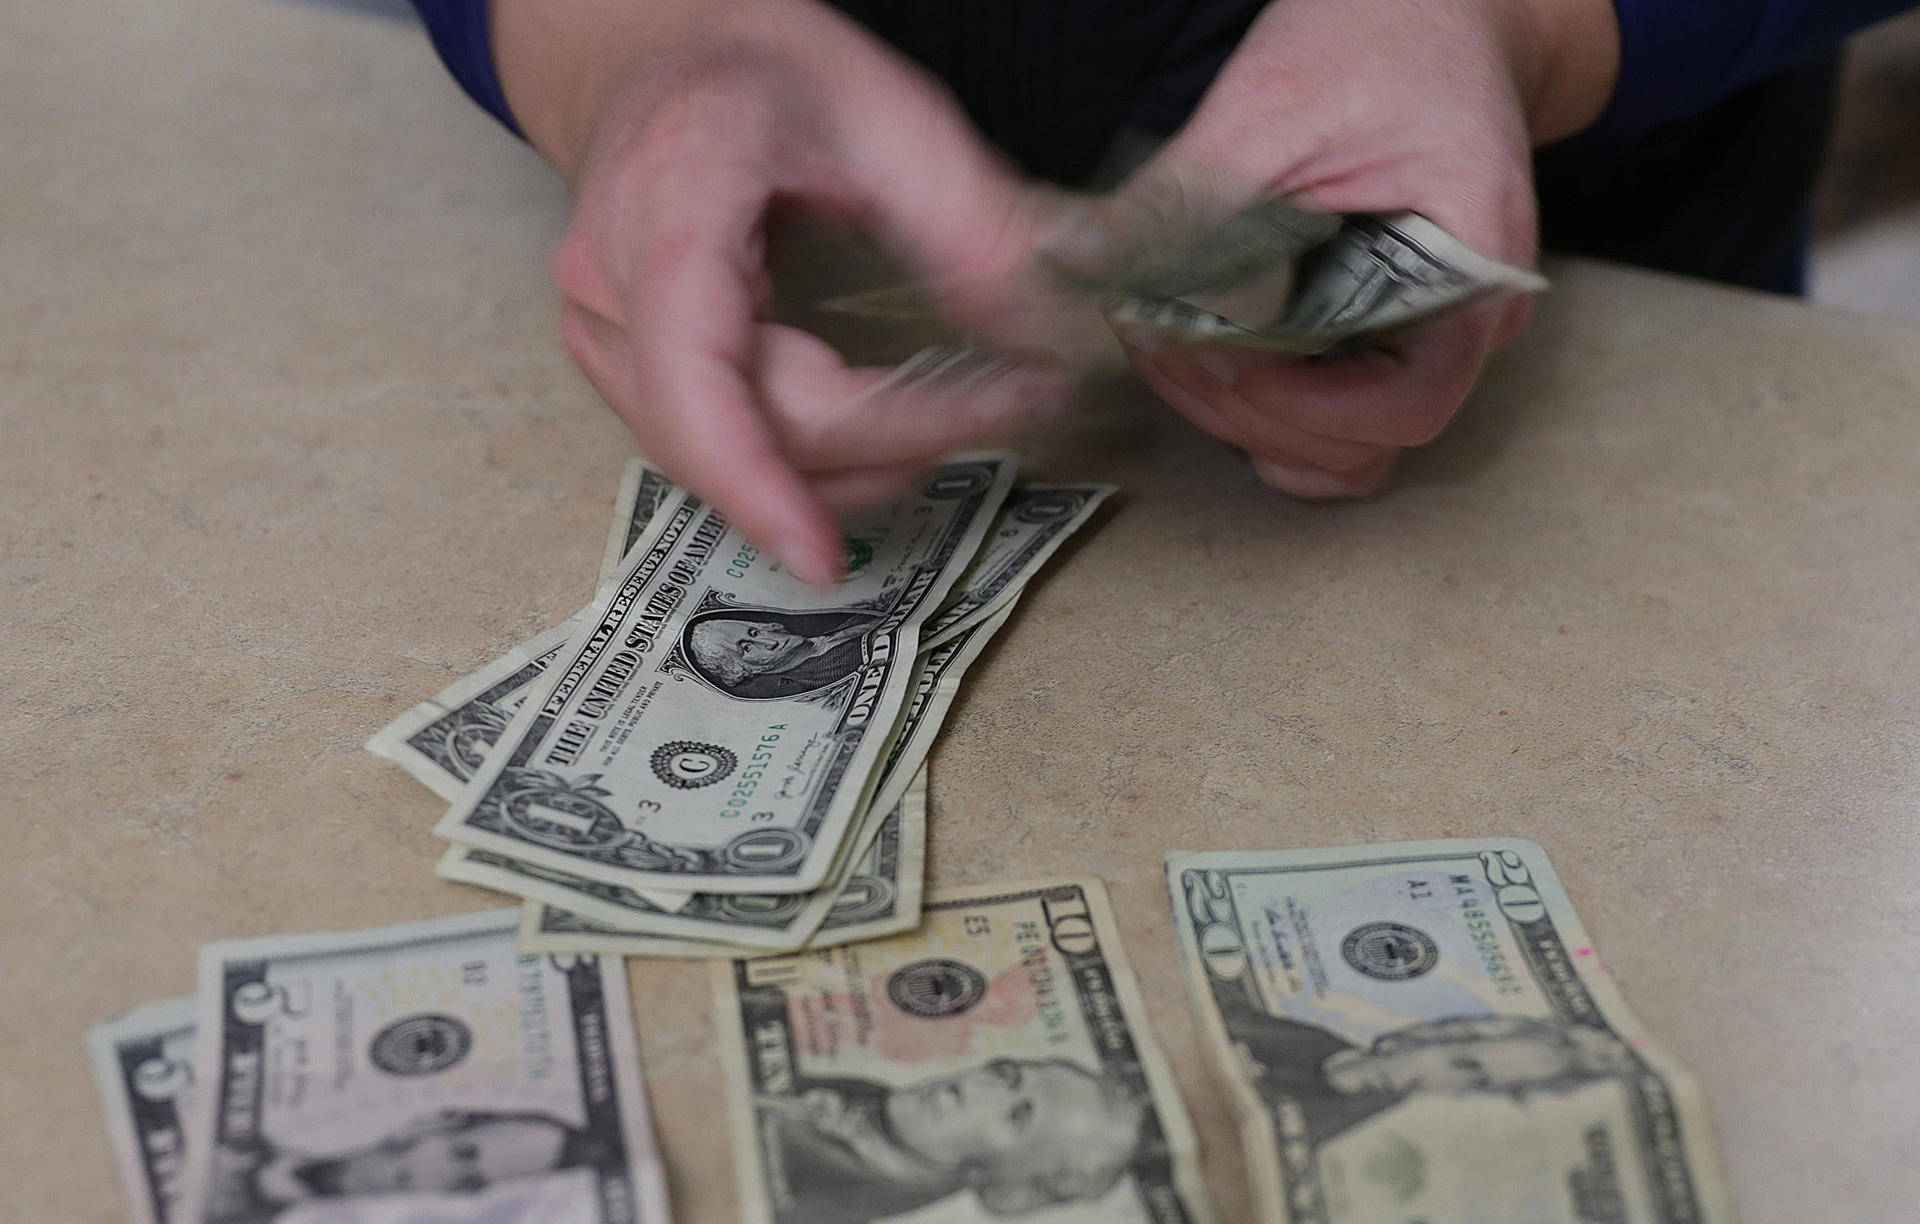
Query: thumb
x=965, y=221
x=1166, y=203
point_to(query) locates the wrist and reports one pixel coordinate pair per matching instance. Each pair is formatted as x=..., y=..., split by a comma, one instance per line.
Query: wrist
x=567, y=68
x=1566, y=61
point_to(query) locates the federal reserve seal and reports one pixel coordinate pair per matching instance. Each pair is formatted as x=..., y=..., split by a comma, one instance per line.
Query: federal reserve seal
x=420, y=1045
x=686, y=765
x=1390, y=951
x=934, y=988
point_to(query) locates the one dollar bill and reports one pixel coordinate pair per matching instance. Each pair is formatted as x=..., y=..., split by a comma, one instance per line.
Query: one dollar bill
x=996, y=1064
x=1035, y=521
x=1423, y=1032
x=714, y=724
x=1276, y=277
x=445, y=739
x=424, y=1071
x=881, y=896
x=593, y=916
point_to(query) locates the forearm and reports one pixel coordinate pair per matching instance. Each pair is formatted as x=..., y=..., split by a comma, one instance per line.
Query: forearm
x=565, y=67
x=1569, y=62
x=561, y=65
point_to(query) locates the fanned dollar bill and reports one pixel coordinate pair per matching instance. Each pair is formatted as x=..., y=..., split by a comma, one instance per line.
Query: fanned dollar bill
x=880, y=896
x=682, y=915
x=1374, y=275
x=996, y=1064
x=143, y=1067
x=705, y=665
x=1424, y=1031
x=936, y=683
x=643, y=488
x=596, y=917
x=445, y=739
x=424, y=1071
x=1030, y=528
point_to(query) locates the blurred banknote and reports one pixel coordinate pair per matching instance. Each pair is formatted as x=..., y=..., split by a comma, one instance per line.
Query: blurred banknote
x=143, y=1066
x=1035, y=521
x=879, y=895
x=414, y=1073
x=994, y=1065
x=704, y=664
x=1424, y=1032
x=1271, y=276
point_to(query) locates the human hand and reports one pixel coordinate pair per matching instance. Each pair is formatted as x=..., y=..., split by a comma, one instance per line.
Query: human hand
x=682, y=133
x=1389, y=106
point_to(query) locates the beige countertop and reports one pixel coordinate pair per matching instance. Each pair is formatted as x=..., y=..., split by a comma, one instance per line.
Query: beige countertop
x=289, y=443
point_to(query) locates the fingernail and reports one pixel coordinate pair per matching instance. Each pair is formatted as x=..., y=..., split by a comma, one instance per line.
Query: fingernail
x=1303, y=480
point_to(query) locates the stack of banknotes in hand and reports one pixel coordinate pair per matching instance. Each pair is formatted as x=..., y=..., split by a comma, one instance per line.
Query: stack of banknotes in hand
x=715, y=758
x=429, y=1071
x=1271, y=276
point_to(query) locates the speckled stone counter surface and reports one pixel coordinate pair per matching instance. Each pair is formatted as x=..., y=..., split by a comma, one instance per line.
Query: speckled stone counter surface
x=289, y=443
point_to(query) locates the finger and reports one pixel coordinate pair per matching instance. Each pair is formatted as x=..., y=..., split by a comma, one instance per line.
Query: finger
x=1200, y=382
x=1304, y=465
x=854, y=489
x=916, y=173
x=696, y=414
x=677, y=374
x=602, y=352
x=829, y=416
x=1305, y=480
x=1402, y=393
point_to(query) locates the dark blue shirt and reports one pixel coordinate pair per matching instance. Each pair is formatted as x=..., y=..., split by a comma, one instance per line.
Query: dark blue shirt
x=1677, y=57
x=459, y=32
x=1702, y=163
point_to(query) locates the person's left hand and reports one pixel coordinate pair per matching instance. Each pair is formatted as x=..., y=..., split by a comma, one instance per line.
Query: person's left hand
x=1382, y=107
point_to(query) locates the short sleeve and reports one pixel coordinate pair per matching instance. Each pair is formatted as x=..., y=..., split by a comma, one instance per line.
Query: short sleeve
x=458, y=29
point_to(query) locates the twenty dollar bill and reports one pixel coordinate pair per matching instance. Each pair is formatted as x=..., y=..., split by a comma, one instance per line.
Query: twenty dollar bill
x=1423, y=1032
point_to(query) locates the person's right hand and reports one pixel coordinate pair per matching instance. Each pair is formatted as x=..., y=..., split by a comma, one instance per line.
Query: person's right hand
x=681, y=126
